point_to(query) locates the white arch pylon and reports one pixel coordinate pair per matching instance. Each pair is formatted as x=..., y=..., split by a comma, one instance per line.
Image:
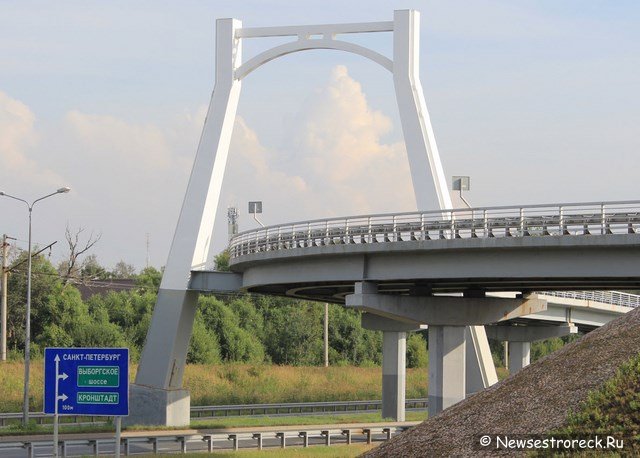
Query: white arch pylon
x=157, y=395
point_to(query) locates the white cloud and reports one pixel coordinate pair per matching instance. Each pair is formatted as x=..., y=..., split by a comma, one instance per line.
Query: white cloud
x=332, y=163
x=18, y=140
x=111, y=140
x=337, y=146
x=129, y=178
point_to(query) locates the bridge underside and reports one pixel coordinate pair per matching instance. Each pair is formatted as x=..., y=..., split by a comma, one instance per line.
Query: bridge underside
x=334, y=292
x=411, y=284
x=328, y=273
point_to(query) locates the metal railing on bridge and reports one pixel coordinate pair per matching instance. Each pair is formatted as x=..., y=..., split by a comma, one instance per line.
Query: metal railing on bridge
x=547, y=220
x=605, y=297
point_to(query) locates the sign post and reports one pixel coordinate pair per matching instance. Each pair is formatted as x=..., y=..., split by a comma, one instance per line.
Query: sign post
x=86, y=381
x=58, y=397
x=255, y=207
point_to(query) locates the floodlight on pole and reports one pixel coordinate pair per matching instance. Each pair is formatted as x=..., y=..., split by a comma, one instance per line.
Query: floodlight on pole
x=27, y=328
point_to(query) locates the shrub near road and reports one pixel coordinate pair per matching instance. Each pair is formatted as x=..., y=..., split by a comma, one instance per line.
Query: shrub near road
x=241, y=384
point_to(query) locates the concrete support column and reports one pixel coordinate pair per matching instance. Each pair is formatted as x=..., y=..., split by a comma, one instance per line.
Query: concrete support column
x=519, y=356
x=157, y=397
x=394, y=353
x=447, y=367
x=481, y=371
x=431, y=190
x=518, y=340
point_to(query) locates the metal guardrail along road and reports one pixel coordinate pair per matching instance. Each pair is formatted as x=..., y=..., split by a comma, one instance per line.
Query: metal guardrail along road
x=206, y=412
x=200, y=441
x=299, y=408
x=576, y=219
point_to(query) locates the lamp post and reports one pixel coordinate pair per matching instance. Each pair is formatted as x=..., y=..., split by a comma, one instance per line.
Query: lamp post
x=27, y=337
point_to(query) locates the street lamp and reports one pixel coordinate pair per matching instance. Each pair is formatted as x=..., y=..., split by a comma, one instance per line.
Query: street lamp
x=27, y=337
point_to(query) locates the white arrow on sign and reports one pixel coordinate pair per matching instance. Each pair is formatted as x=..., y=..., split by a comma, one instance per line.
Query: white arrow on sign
x=59, y=376
x=62, y=398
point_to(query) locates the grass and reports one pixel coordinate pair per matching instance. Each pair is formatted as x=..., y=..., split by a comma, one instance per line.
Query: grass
x=34, y=429
x=12, y=383
x=228, y=422
x=239, y=384
x=300, y=420
x=614, y=410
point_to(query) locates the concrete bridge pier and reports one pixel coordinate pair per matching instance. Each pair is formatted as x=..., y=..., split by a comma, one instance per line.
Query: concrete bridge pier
x=519, y=356
x=157, y=396
x=519, y=340
x=450, y=320
x=394, y=361
x=447, y=366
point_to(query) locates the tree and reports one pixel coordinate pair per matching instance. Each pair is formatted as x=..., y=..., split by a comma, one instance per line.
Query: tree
x=204, y=347
x=350, y=343
x=70, y=269
x=92, y=270
x=130, y=311
x=293, y=332
x=44, y=281
x=417, y=355
x=222, y=261
x=149, y=279
x=236, y=343
x=122, y=270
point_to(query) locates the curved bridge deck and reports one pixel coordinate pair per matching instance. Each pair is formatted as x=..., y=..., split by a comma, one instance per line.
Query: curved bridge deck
x=604, y=218
x=587, y=246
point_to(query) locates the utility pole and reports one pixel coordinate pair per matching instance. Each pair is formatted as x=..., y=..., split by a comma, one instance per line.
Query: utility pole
x=506, y=354
x=326, y=334
x=3, y=312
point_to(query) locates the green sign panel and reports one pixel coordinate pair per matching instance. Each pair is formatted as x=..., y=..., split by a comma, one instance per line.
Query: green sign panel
x=98, y=398
x=102, y=376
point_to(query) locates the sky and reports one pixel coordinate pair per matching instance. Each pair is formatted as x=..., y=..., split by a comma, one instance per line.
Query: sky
x=536, y=101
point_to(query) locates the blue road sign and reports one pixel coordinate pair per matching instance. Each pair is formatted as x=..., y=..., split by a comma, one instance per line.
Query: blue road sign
x=86, y=381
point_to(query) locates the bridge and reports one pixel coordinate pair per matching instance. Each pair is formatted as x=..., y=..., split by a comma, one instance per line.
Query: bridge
x=540, y=247
x=467, y=274
x=407, y=271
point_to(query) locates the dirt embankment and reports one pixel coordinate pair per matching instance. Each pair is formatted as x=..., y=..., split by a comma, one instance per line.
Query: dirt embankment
x=534, y=401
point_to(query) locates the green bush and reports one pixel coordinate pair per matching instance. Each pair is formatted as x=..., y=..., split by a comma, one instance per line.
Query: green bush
x=204, y=347
x=614, y=409
x=236, y=343
x=417, y=355
x=236, y=328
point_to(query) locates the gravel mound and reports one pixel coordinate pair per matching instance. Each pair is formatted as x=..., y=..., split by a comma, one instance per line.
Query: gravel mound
x=536, y=400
